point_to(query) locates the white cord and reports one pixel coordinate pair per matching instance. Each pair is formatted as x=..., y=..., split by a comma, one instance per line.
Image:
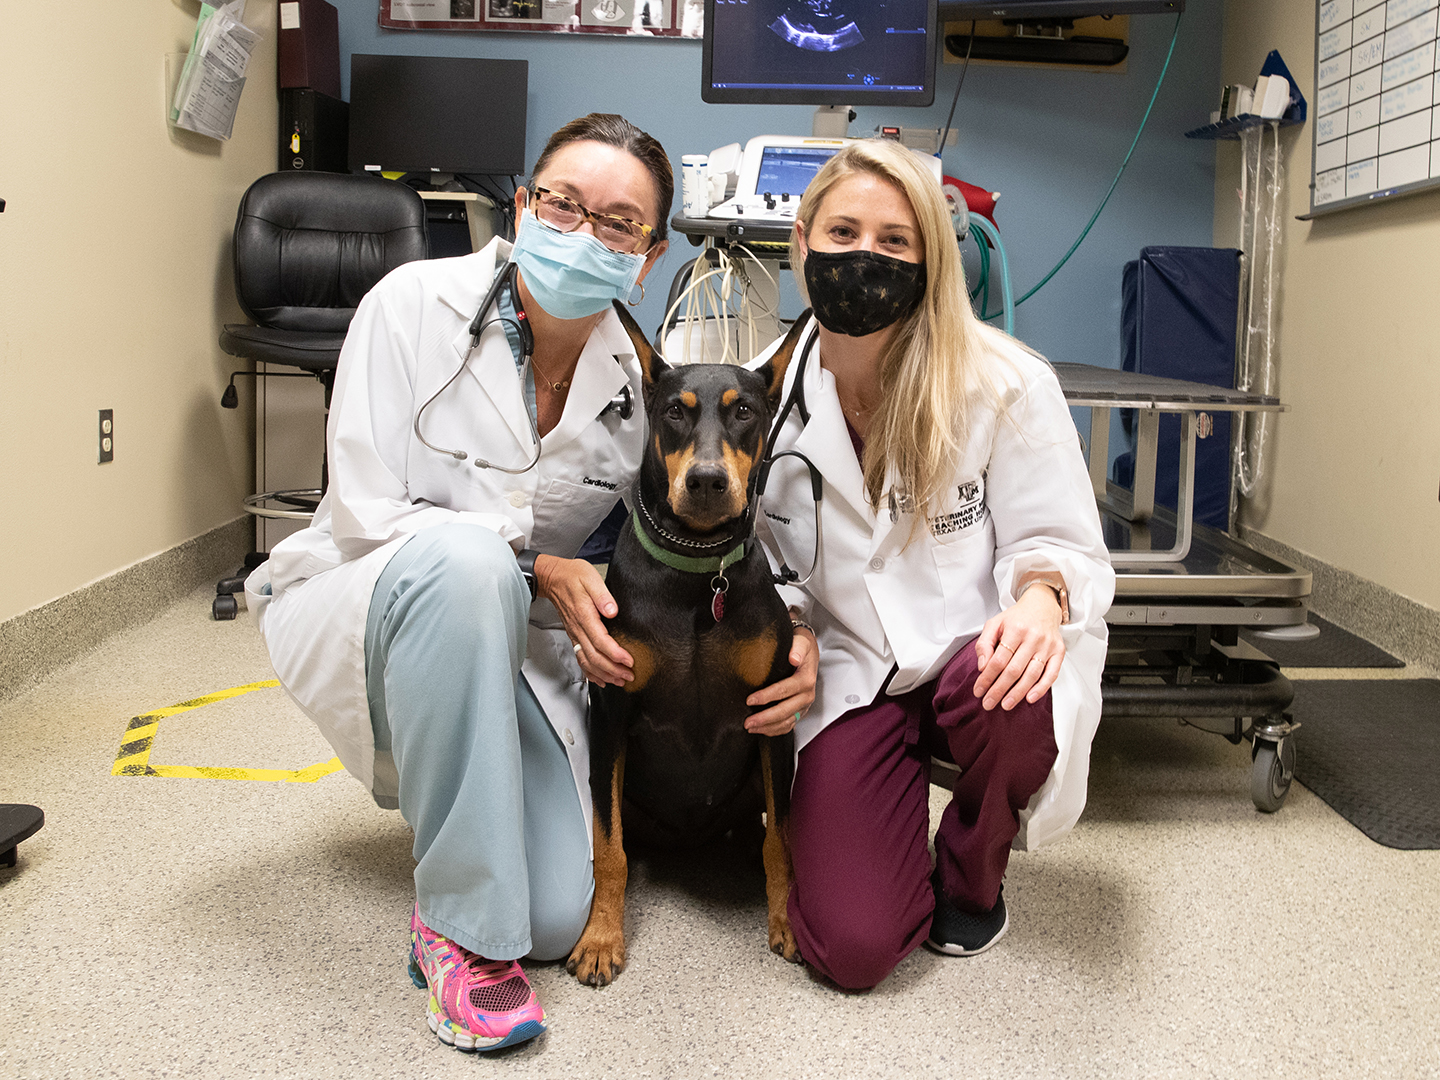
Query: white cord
x=706, y=301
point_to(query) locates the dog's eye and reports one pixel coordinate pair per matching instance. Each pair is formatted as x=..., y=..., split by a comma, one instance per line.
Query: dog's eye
x=674, y=413
x=744, y=412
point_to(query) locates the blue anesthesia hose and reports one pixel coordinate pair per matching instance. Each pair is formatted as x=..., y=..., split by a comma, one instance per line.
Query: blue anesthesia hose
x=982, y=280
x=1130, y=153
x=1007, y=297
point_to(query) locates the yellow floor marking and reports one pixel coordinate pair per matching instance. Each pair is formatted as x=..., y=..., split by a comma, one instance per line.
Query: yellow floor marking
x=133, y=758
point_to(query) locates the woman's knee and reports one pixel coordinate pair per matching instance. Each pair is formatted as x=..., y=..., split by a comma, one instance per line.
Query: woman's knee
x=1021, y=739
x=854, y=950
x=852, y=955
x=449, y=573
x=465, y=555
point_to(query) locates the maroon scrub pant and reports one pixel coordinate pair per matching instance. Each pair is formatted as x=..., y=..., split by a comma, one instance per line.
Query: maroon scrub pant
x=859, y=818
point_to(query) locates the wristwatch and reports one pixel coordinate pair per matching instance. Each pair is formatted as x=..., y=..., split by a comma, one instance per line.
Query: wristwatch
x=1053, y=579
x=526, y=561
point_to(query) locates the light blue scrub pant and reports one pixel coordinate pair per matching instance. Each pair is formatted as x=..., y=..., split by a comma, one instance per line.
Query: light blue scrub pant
x=500, y=840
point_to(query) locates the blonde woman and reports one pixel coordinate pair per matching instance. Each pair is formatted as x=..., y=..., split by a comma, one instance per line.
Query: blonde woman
x=960, y=597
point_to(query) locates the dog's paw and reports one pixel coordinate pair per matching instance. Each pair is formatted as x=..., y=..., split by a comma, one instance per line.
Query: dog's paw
x=597, y=959
x=782, y=940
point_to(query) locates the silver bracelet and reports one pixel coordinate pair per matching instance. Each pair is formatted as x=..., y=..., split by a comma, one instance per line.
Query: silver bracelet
x=801, y=624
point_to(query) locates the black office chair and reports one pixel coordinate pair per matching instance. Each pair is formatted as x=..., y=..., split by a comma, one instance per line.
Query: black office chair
x=17, y=822
x=308, y=246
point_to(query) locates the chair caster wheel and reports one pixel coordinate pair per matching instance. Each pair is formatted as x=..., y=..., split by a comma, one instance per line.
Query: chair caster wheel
x=224, y=607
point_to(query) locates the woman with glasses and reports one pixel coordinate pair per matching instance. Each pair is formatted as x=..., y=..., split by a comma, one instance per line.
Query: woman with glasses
x=433, y=620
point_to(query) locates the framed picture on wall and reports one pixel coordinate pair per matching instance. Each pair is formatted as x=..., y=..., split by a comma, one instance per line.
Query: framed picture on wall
x=635, y=18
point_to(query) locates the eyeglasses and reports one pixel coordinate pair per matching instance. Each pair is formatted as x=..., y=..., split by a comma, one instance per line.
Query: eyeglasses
x=564, y=214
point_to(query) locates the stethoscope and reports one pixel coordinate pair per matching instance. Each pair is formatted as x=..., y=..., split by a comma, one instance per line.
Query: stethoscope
x=795, y=400
x=900, y=503
x=622, y=403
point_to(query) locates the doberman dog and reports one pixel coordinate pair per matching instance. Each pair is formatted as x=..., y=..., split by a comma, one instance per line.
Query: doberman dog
x=699, y=614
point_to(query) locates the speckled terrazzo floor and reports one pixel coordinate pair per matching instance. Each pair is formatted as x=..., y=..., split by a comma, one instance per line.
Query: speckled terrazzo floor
x=162, y=927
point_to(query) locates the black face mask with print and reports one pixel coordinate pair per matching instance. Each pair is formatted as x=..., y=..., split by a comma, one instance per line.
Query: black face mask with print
x=859, y=292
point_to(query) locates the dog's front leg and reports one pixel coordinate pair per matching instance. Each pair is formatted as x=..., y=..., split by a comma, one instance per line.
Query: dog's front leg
x=776, y=851
x=599, y=955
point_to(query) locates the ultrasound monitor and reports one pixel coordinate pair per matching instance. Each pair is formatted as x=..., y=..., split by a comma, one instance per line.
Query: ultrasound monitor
x=788, y=170
x=959, y=10
x=438, y=114
x=819, y=52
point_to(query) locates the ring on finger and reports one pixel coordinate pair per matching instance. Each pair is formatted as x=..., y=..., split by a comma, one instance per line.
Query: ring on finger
x=1002, y=645
x=578, y=648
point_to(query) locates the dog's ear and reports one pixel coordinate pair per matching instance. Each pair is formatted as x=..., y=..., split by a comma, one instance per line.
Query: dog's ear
x=652, y=365
x=773, y=370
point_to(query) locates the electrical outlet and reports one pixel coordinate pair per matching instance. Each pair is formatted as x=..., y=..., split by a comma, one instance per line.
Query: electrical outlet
x=107, y=435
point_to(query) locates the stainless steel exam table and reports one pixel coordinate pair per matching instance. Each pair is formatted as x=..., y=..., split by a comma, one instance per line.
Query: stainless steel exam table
x=1183, y=591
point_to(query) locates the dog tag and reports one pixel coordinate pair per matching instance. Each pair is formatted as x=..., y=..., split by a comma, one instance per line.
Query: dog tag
x=717, y=601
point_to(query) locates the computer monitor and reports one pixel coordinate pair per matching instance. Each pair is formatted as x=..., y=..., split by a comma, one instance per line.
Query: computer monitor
x=437, y=114
x=956, y=10
x=819, y=52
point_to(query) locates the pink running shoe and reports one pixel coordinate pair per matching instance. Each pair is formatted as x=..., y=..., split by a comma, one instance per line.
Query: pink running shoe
x=475, y=1004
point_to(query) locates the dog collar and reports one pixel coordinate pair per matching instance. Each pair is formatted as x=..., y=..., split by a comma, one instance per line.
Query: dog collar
x=714, y=564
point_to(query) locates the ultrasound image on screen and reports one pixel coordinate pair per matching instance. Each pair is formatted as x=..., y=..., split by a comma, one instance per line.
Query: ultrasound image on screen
x=818, y=25
x=865, y=45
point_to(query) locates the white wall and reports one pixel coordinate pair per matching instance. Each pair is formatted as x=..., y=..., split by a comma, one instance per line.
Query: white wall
x=114, y=282
x=1354, y=473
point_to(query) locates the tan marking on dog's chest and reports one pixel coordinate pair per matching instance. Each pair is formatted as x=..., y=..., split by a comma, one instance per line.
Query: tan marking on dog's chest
x=752, y=658
x=645, y=663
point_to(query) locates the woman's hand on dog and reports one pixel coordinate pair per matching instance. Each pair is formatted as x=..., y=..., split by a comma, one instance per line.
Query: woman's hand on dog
x=791, y=696
x=578, y=592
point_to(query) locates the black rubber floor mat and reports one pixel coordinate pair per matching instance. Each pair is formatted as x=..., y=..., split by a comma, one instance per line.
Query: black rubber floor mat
x=1334, y=647
x=1371, y=750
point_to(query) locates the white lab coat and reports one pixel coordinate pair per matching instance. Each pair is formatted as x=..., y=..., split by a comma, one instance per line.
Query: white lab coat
x=1021, y=499
x=409, y=335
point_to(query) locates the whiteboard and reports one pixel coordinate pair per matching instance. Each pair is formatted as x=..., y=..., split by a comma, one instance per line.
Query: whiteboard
x=1376, y=123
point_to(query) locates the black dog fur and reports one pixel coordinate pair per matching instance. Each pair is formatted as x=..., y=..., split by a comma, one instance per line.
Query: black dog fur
x=669, y=753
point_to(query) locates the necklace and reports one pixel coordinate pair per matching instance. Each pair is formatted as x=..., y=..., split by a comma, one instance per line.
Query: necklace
x=857, y=411
x=555, y=386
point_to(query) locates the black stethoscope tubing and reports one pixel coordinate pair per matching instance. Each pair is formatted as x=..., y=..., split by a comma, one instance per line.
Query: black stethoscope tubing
x=623, y=403
x=796, y=398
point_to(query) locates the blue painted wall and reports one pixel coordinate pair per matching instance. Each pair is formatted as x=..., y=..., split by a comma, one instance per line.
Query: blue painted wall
x=1049, y=141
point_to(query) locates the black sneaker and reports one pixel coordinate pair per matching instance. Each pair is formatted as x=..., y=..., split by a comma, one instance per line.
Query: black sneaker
x=958, y=933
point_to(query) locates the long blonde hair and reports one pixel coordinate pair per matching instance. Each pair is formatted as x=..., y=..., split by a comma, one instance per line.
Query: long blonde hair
x=933, y=372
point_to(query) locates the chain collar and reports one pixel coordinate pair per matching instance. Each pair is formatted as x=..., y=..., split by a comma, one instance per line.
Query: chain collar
x=640, y=505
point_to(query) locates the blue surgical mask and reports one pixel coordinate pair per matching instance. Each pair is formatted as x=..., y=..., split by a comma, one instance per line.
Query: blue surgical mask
x=571, y=275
